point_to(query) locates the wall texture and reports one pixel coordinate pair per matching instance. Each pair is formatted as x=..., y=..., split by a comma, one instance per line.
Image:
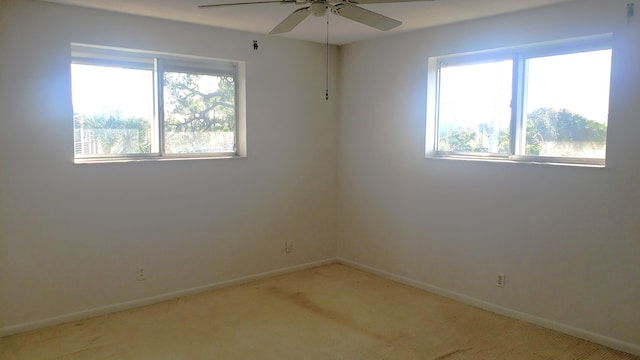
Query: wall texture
x=72, y=236
x=567, y=238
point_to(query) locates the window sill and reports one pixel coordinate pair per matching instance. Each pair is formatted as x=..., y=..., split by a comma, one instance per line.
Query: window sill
x=527, y=161
x=153, y=159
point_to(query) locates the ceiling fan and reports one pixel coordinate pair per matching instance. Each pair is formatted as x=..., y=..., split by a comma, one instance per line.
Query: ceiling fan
x=346, y=8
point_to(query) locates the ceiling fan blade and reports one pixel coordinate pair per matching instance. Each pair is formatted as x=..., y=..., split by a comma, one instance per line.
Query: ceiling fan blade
x=291, y=21
x=382, y=1
x=249, y=3
x=365, y=16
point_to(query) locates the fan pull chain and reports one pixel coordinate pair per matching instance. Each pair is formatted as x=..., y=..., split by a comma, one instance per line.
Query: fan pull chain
x=326, y=92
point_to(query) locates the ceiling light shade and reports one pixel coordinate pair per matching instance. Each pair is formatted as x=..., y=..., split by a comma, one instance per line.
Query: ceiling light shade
x=318, y=8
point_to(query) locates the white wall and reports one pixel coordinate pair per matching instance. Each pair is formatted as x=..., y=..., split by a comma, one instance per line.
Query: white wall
x=71, y=236
x=567, y=238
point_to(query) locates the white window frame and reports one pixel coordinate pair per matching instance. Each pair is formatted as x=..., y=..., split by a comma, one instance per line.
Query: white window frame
x=519, y=55
x=160, y=63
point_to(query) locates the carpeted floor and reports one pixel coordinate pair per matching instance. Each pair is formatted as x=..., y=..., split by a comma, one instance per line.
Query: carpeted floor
x=329, y=312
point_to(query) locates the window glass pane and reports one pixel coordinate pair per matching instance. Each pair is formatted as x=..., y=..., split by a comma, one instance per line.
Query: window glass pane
x=200, y=113
x=567, y=104
x=112, y=110
x=474, y=107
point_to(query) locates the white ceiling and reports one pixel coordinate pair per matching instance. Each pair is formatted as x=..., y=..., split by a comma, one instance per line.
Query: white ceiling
x=262, y=18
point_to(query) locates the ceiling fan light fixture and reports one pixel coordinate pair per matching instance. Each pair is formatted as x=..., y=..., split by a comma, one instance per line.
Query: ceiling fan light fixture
x=318, y=8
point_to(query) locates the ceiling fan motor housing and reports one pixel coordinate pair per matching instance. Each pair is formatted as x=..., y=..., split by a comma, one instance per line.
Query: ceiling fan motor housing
x=318, y=8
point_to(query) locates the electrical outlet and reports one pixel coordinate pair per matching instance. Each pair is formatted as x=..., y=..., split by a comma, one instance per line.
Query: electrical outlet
x=140, y=273
x=288, y=247
x=500, y=280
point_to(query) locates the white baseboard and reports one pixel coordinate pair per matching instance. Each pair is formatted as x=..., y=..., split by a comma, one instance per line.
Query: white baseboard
x=550, y=324
x=564, y=328
x=85, y=314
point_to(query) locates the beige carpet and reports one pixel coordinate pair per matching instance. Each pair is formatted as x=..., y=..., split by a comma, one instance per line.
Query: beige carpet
x=329, y=312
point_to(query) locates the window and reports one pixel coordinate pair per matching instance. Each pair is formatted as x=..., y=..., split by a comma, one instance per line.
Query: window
x=541, y=103
x=137, y=105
